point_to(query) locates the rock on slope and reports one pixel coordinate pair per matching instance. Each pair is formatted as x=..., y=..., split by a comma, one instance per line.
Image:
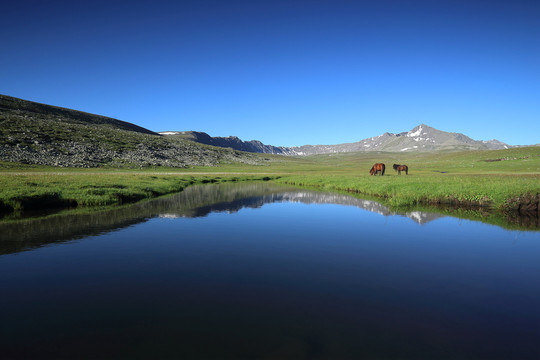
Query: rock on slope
x=34, y=133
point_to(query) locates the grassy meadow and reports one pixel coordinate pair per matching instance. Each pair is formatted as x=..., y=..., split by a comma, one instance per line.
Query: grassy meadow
x=22, y=192
x=485, y=178
x=498, y=179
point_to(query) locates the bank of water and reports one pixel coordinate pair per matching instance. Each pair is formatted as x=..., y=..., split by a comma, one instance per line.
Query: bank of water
x=257, y=270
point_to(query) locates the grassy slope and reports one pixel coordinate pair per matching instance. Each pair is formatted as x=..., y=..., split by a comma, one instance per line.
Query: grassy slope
x=463, y=177
x=24, y=122
x=10, y=106
x=35, y=133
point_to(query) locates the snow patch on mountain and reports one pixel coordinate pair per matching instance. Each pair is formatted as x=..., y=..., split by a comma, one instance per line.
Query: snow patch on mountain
x=420, y=138
x=416, y=133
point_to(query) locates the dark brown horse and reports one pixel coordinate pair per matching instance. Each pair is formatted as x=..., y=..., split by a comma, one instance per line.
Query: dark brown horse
x=377, y=168
x=400, y=168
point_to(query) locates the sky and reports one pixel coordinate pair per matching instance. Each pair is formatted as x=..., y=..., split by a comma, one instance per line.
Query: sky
x=287, y=73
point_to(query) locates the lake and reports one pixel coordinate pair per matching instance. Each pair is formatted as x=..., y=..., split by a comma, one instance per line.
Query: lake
x=255, y=270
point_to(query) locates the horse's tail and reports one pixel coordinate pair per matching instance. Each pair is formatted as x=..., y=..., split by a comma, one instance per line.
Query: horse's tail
x=383, y=168
x=406, y=170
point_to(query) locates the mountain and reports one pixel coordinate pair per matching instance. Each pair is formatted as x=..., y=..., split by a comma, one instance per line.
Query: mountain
x=42, y=112
x=232, y=142
x=422, y=138
x=34, y=133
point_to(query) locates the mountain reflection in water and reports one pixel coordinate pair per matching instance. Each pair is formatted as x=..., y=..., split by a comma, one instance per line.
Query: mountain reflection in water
x=293, y=195
x=194, y=201
x=288, y=280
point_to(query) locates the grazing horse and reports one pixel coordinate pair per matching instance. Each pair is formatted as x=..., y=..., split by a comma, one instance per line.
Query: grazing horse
x=400, y=168
x=379, y=167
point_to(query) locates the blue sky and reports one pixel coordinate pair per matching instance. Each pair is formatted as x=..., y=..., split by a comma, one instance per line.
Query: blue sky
x=283, y=72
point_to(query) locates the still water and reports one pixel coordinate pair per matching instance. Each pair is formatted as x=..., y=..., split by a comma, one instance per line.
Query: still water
x=259, y=271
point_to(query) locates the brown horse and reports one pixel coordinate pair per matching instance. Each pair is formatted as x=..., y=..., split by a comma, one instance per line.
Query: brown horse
x=400, y=168
x=379, y=167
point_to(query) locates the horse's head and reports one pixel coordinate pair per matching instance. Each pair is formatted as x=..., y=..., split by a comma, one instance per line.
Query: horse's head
x=372, y=170
x=396, y=166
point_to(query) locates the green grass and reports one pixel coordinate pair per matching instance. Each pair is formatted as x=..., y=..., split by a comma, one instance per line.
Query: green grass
x=466, y=178
x=447, y=177
x=486, y=190
x=90, y=189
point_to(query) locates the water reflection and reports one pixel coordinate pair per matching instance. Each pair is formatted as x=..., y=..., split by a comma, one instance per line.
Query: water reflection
x=255, y=196
x=195, y=201
x=288, y=280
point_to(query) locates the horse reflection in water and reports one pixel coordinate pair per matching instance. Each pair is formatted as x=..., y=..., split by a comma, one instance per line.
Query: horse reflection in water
x=377, y=168
x=400, y=168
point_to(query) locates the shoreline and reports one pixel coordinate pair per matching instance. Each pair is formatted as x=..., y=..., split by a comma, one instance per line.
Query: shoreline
x=45, y=191
x=527, y=202
x=518, y=211
x=25, y=197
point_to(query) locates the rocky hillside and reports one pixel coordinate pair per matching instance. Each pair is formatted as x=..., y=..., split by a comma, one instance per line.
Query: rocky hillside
x=33, y=133
x=421, y=138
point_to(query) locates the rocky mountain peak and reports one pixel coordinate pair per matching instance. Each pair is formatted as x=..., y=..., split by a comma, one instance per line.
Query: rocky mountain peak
x=421, y=138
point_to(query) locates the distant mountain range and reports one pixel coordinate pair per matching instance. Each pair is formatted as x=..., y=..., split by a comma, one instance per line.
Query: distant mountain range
x=232, y=142
x=33, y=133
x=420, y=139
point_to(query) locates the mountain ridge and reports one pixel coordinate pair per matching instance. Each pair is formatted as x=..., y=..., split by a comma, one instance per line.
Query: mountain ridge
x=37, y=133
x=421, y=138
x=40, y=134
x=9, y=103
